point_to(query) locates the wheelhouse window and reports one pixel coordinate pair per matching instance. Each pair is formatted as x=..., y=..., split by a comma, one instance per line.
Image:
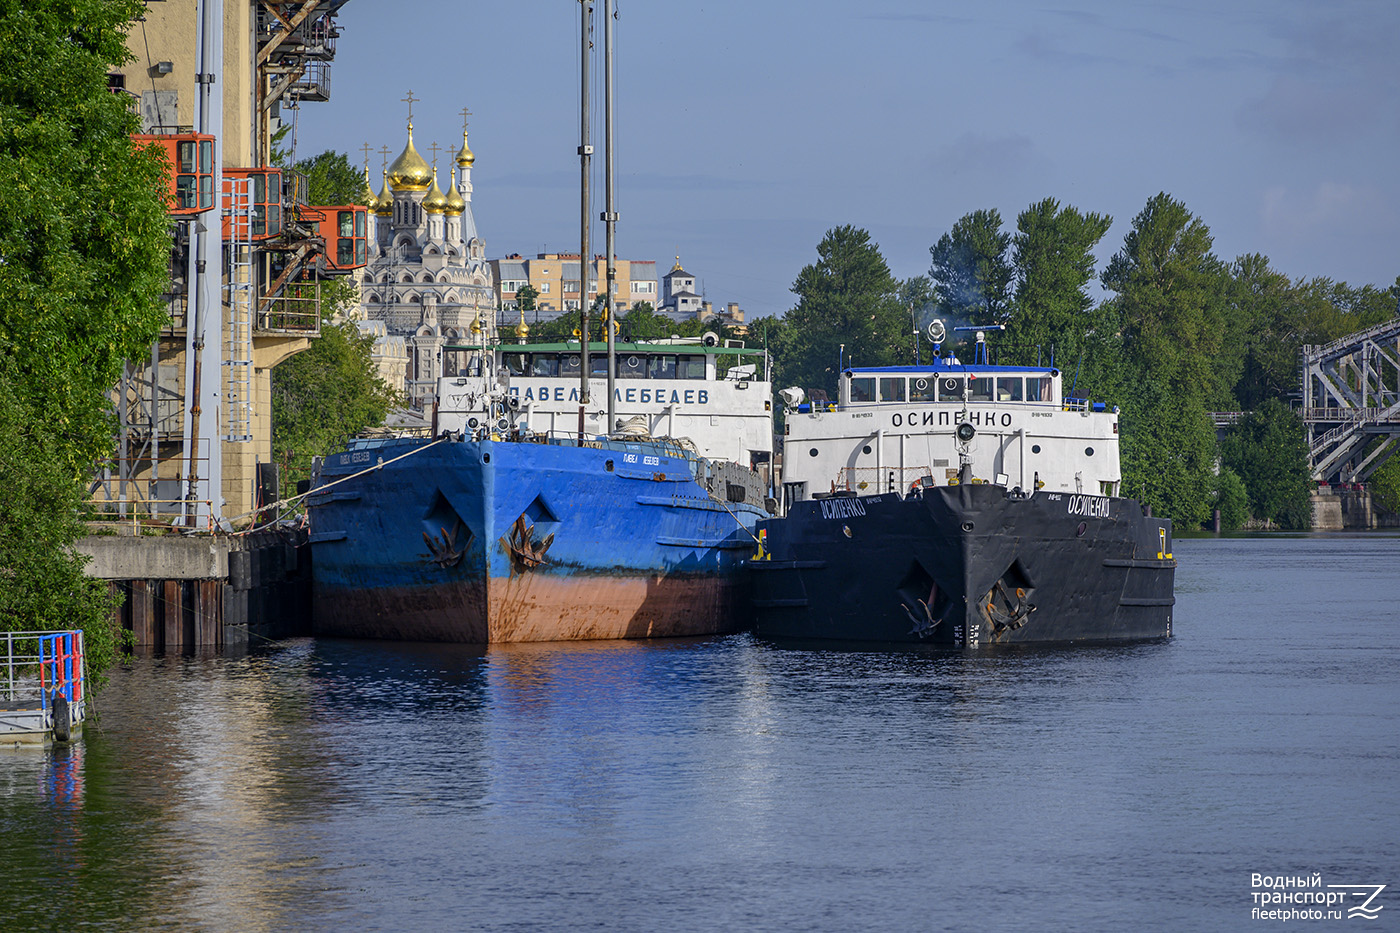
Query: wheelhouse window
x=863, y=389
x=923, y=389
x=544, y=364
x=950, y=388
x=980, y=389
x=1038, y=389
x=690, y=367
x=631, y=366
x=518, y=364
x=570, y=365
x=892, y=389
x=1009, y=388
x=662, y=367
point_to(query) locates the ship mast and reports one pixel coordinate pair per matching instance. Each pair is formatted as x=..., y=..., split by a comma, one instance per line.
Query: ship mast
x=585, y=153
x=609, y=210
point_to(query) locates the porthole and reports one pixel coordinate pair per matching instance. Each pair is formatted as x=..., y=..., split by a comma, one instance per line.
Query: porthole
x=865, y=449
x=1088, y=451
x=608, y=466
x=1035, y=448
x=813, y=451
x=485, y=458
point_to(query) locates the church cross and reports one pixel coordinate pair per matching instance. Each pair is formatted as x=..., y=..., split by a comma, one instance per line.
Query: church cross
x=384, y=151
x=366, y=150
x=410, y=100
x=434, y=150
x=465, y=113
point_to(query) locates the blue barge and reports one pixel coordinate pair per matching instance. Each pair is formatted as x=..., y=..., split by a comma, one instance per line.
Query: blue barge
x=493, y=532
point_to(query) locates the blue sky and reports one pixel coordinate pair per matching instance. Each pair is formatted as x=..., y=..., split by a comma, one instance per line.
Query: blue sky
x=745, y=130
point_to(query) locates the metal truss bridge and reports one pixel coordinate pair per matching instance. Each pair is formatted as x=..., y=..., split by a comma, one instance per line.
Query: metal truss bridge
x=1351, y=399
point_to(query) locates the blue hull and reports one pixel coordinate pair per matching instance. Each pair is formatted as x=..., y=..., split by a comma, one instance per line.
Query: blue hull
x=488, y=542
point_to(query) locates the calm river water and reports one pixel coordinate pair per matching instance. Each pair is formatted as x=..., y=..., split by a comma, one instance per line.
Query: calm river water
x=729, y=784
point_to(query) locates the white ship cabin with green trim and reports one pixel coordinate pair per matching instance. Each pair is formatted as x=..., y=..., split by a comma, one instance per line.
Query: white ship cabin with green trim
x=898, y=426
x=719, y=397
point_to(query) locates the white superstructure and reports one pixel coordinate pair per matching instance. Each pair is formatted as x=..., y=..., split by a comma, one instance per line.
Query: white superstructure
x=662, y=389
x=900, y=425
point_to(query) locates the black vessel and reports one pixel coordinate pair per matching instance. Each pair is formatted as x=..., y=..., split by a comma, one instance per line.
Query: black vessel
x=963, y=506
x=965, y=566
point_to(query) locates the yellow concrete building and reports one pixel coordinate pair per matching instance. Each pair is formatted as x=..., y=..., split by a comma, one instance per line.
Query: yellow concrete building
x=194, y=433
x=555, y=276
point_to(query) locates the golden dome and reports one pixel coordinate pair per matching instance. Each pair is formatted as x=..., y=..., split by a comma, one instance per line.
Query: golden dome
x=435, y=202
x=367, y=194
x=456, y=204
x=384, y=206
x=464, y=155
x=522, y=330
x=410, y=172
x=476, y=325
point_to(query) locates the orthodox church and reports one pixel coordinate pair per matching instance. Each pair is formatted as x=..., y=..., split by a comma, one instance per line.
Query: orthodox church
x=427, y=282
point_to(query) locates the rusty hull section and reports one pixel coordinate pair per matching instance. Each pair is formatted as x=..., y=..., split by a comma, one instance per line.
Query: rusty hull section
x=535, y=607
x=547, y=607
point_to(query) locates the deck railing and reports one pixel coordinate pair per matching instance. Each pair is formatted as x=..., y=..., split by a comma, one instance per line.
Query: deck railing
x=40, y=665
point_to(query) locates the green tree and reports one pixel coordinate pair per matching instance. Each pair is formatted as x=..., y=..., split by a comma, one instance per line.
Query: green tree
x=560, y=328
x=1169, y=291
x=1053, y=262
x=1385, y=485
x=971, y=272
x=526, y=296
x=642, y=322
x=84, y=253
x=327, y=393
x=847, y=297
x=331, y=179
x=1268, y=449
x=84, y=239
x=1272, y=310
x=42, y=585
x=1231, y=498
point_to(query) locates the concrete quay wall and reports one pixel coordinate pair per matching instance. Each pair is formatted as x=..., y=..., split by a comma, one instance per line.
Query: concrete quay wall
x=182, y=592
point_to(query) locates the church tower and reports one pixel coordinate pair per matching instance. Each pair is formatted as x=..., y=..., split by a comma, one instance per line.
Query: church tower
x=428, y=280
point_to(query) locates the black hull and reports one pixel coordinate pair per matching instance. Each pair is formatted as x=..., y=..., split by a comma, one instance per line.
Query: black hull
x=965, y=567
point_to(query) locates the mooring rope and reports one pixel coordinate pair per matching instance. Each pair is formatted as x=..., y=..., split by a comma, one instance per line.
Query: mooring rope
x=319, y=489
